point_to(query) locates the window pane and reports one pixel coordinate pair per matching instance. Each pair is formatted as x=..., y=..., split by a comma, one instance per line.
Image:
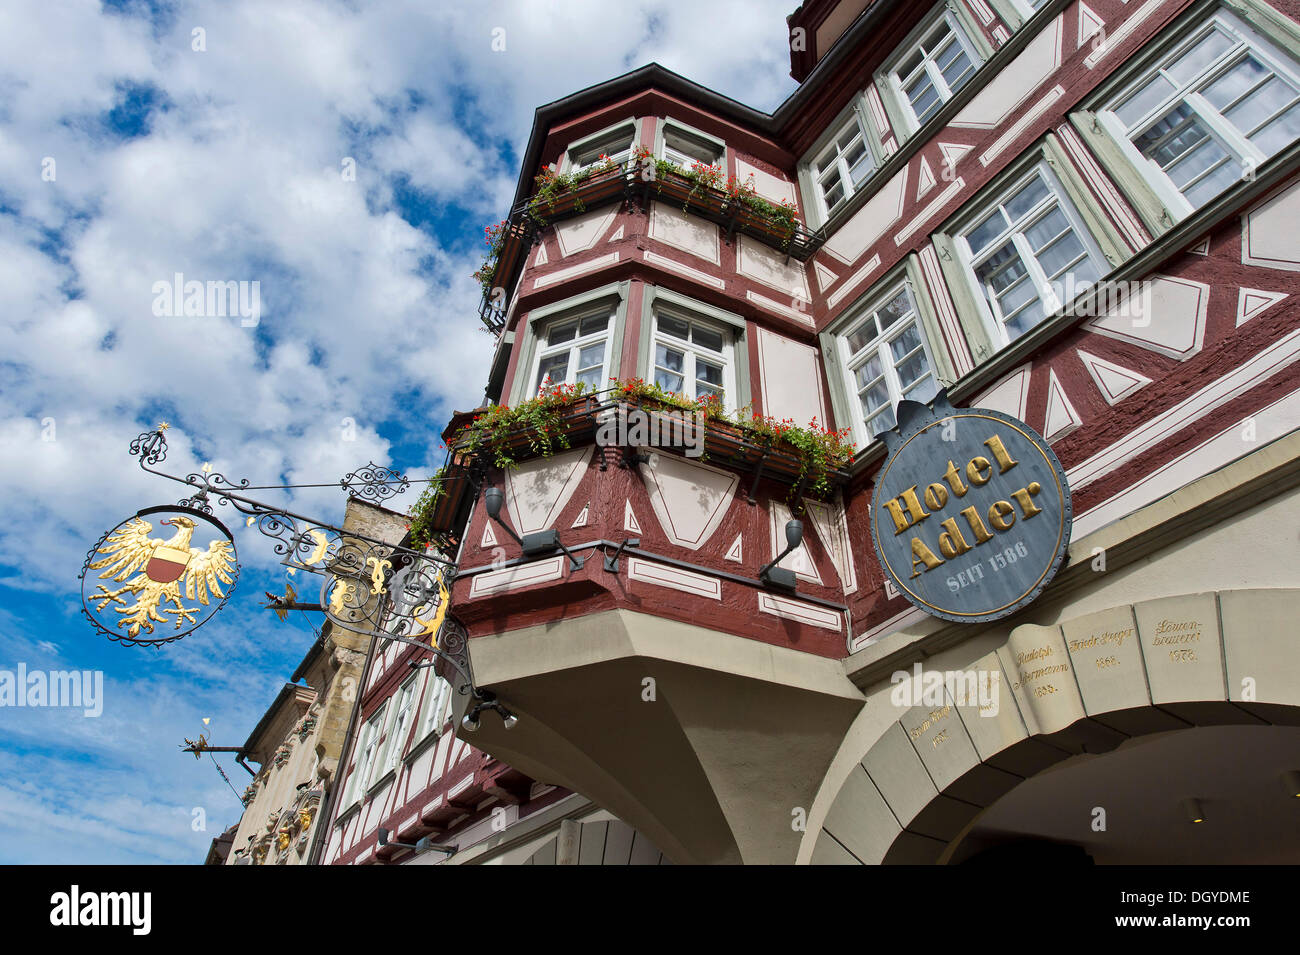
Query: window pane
x=1200, y=56
x=1278, y=134
x=1237, y=80
x=923, y=97
x=907, y=342
x=897, y=307
x=1030, y=195
x=882, y=422
x=563, y=332
x=557, y=367
x=1061, y=255
x=591, y=356
x=861, y=335
x=1046, y=229
x=674, y=326
x=595, y=323
x=1144, y=100
x=834, y=195
x=668, y=381
x=706, y=338
x=874, y=398
x=1260, y=106
x=1206, y=155
x=1211, y=185
x=958, y=69
x=986, y=232
x=669, y=358
x=868, y=372
x=708, y=373
x=922, y=390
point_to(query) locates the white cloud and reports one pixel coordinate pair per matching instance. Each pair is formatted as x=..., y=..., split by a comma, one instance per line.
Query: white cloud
x=366, y=315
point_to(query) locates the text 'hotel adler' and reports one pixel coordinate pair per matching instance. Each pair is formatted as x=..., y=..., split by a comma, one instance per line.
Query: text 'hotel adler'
x=938, y=450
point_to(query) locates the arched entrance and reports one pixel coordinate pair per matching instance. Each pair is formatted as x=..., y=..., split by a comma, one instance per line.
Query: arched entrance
x=1109, y=734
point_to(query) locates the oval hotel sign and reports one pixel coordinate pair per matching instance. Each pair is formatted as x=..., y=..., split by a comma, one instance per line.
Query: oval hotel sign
x=971, y=511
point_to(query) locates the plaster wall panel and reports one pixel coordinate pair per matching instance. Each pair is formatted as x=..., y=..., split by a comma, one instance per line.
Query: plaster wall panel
x=789, y=378
x=699, y=237
x=1014, y=84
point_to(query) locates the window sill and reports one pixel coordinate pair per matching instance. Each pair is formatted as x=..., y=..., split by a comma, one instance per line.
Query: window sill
x=380, y=783
x=429, y=740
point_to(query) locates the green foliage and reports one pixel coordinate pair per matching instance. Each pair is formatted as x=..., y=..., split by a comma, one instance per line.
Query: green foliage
x=421, y=514
x=539, y=421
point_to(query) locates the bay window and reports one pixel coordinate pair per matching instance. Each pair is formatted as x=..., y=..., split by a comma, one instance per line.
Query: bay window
x=574, y=351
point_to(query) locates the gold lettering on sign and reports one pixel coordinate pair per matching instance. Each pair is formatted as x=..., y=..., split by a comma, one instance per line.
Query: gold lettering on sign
x=908, y=509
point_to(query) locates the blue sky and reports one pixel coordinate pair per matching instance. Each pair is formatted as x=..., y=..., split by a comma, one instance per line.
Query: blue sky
x=141, y=138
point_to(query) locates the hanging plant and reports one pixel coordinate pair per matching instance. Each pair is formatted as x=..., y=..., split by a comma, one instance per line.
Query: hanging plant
x=537, y=423
x=421, y=523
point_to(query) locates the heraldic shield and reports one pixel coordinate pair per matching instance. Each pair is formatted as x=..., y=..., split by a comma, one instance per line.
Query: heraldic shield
x=158, y=576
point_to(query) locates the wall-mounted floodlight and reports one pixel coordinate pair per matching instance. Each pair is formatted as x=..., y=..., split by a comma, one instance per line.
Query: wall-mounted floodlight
x=775, y=576
x=487, y=701
x=540, y=542
x=423, y=845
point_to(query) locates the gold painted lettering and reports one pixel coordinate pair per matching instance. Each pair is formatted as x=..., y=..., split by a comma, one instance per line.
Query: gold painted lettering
x=915, y=513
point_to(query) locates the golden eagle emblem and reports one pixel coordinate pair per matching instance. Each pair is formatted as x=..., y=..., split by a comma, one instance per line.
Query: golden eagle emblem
x=160, y=568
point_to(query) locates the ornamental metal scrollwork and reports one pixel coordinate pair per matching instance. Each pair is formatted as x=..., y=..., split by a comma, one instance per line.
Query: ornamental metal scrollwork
x=373, y=587
x=375, y=483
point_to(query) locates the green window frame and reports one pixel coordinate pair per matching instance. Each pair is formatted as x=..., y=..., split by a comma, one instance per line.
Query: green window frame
x=841, y=360
x=1102, y=238
x=1266, y=34
x=612, y=297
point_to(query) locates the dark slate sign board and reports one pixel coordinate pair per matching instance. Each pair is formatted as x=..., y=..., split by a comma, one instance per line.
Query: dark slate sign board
x=971, y=511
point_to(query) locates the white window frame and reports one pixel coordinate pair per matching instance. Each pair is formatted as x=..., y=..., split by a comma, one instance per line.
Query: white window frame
x=1060, y=197
x=670, y=127
x=727, y=356
x=880, y=346
x=362, y=766
x=394, y=742
x=573, y=346
x=569, y=160
x=433, y=708
x=889, y=81
x=853, y=120
x=1240, y=149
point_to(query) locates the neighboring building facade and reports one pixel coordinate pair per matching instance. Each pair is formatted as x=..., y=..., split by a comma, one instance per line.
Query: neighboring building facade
x=962, y=171
x=298, y=741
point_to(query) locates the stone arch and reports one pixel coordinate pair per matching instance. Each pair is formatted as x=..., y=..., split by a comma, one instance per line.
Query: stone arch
x=597, y=843
x=1085, y=685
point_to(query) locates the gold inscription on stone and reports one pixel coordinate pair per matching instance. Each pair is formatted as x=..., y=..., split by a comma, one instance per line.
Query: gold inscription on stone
x=930, y=721
x=1028, y=675
x=1173, y=632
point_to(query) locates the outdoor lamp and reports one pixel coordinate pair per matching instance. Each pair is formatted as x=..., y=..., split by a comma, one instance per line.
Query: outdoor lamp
x=487, y=701
x=423, y=845
x=775, y=576
x=540, y=542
